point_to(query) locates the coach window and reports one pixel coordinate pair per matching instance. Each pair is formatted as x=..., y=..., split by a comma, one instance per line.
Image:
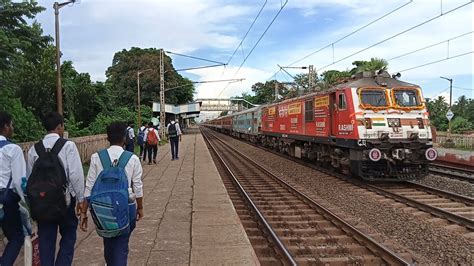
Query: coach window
x=309, y=111
x=342, y=101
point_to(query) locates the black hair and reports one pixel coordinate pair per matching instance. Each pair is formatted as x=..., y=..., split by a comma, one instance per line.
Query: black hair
x=144, y=123
x=52, y=120
x=150, y=124
x=5, y=119
x=131, y=123
x=116, y=132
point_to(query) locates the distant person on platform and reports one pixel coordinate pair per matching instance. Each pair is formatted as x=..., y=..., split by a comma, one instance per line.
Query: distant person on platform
x=152, y=138
x=141, y=140
x=130, y=145
x=174, y=134
x=12, y=174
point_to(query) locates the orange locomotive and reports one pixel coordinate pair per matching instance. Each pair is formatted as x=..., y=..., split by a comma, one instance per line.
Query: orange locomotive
x=374, y=126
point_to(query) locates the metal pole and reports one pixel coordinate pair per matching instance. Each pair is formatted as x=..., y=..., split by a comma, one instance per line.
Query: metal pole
x=450, y=103
x=138, y=100
x=59, y=93
x=276, y=91
x=162, y=95
x=310, y=78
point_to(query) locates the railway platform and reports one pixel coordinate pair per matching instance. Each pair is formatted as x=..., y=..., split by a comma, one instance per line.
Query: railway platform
x=189, y=217
x=456, y=156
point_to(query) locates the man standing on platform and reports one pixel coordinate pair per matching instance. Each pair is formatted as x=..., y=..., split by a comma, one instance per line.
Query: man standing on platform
x=174, y=134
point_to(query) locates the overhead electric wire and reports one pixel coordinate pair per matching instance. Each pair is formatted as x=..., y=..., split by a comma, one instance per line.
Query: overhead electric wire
x=351, y=33
x=434, y=62
x=256, y=43
x=195, y=57
x=245, y=36
x=199, y=67
x=461, y=88
x=429, y=46
x=398, y=34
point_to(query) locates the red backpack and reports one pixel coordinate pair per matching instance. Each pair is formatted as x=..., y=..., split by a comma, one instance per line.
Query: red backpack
x=152, y=139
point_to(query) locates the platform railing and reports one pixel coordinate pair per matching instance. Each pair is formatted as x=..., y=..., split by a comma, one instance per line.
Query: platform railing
x=460, y=140
x=86, y=145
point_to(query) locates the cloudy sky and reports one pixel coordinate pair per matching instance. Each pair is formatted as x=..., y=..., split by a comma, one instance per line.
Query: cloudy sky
x=93, y=30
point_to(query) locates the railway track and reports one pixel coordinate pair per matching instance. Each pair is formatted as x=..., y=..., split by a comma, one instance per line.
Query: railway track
x=303, y=231
x=454, y=209
x=453, y=172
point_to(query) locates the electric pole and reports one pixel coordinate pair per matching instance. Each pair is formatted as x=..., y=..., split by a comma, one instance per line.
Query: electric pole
x=310, y=78
x=449, y=114
x=162, y=94
x=59, y=90
x=276, y=91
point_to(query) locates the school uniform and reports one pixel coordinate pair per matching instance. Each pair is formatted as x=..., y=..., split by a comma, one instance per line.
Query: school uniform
x=141, y=142
x=174, y=141
x=47, y=231
x=152, y=149
x=130, y=145
x=116, y=248
x=12, y=171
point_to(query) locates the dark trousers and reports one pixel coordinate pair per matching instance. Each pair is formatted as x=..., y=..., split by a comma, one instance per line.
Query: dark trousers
x=130, y=146
x=12, y=228
x=116, y=248
x=47, y=233
x=142, y=148
x=145, y=150
x=174, y=143
x=152, y=152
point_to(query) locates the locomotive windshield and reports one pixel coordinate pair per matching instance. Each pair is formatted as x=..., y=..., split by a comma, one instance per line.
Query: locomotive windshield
x=373, y=98
x=406, y=97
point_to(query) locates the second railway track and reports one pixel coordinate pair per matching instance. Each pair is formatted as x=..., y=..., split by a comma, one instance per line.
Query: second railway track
x=304, y=231
x=462, y=174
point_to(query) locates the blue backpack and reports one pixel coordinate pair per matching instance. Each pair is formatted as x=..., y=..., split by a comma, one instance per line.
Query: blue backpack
x=109, y=197
x=141, y=136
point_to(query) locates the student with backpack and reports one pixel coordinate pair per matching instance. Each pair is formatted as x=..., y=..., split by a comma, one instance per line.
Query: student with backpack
x=152, y=138
x=141, y=140
x=130, y=144
x=12, y=174
x=55, y=185
x=174, y=134
x=114, y=193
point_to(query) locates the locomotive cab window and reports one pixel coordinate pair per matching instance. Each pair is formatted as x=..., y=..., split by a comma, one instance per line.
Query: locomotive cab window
x=372, y=98
x=406, y=97
x=308, y=111
x=342, y=102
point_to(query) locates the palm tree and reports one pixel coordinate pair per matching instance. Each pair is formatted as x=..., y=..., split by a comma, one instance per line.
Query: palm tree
x=374, y=64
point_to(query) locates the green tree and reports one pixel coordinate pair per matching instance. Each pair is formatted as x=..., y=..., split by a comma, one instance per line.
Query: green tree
x=461, y=124
x=374, y=64
x=122, y=76
x=437, y=110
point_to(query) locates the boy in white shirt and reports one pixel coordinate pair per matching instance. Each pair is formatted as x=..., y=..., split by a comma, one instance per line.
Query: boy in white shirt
x=116, y=248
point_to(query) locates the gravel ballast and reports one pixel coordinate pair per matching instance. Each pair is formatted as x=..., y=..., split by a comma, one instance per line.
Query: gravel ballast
x=430, y=243
x=452, y=185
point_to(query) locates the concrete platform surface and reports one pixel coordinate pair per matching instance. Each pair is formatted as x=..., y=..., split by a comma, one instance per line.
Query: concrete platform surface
x=189, y=218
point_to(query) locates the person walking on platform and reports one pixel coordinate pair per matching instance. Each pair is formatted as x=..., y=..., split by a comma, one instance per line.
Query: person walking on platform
x=55, y=184
x=174, y=134
x=141, y=140
x=152, y=138
x=12, y=174
x=130, y=144
x=126, y=192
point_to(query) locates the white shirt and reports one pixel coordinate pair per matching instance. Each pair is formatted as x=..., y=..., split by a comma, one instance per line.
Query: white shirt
x=133, y=170
x=178, y=129
x=152, y=130
x=12, y=164
x=69, y=157
x=131, y=133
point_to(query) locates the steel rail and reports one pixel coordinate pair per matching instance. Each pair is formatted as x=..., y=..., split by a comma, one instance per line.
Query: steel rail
x=268, y=227
x=375, y=247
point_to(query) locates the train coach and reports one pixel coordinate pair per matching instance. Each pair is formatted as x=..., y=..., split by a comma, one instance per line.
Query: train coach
x=373, y=126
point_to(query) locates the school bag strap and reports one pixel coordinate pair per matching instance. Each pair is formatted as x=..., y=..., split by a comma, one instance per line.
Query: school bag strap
x=124, y=158
x=41, y=150
x=105, y=159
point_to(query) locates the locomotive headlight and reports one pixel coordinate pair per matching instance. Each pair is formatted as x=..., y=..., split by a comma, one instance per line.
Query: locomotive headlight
x=393, y=122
